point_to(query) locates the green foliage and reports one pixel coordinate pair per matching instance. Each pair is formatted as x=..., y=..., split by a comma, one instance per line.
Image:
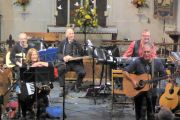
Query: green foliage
x=140, y=3
x=85, y=16
x=22, y=3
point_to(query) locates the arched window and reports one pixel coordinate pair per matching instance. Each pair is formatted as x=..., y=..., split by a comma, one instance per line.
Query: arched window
x=66, y=9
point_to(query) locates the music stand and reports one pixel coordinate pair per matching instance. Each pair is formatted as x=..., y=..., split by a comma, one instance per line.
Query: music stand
x=37, y=75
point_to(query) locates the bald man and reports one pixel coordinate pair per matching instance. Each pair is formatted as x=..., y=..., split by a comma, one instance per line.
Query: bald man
x=68, y=49
x=20, y=48
x=18, y=52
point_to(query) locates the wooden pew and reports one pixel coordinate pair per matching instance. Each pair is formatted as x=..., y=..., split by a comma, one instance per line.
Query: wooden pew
x=48, y=37
x=71, y=75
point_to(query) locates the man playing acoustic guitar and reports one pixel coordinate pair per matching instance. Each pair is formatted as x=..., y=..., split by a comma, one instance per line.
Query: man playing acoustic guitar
x=145, y=101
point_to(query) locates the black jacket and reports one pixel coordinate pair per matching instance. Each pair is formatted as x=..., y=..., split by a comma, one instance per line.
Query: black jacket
x=17, y=49
x=76, y=52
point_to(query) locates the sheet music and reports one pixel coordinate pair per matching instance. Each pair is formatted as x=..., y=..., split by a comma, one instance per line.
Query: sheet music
x=176, y=55
x=110, y=56
x=30, y=88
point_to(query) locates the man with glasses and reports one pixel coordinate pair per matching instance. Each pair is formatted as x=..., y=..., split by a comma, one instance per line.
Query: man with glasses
x=145, y=101
x=17, y=58
x=135, y=48
x=19, y=50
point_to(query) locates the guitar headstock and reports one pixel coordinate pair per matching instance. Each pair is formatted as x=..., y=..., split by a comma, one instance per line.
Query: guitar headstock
x=172, y=79
x=178, y=70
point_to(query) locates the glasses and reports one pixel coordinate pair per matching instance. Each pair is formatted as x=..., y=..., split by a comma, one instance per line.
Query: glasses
x=145, y=35
x=147, y=51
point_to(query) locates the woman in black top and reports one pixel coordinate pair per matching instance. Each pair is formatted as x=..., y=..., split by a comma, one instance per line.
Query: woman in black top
x=39, y=96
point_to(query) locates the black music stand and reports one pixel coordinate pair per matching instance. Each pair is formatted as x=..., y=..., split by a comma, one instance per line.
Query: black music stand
x=37, y=75
x=96, y=52
x=91, y=91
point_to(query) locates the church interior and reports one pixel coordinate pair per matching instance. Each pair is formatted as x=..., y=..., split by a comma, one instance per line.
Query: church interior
x=105, y=30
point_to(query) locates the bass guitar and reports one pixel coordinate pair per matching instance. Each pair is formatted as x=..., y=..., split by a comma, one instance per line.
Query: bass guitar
x=170, y=97
x=143, y=81
x=19, y=57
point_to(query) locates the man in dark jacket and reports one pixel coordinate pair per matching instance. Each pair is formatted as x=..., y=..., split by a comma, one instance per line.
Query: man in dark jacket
x=69, y=49
x=19, y=50
x=145, y=65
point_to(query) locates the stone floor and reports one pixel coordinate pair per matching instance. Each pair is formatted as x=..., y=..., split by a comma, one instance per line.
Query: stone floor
x=78, y=106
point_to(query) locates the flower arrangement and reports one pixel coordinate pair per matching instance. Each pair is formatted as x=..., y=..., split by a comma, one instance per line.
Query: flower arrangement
x=86, y=17
x=139, y=3
x=22, y=3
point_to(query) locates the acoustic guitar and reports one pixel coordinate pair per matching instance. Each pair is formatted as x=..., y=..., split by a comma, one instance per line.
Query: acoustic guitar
x=18, y=56
x=170, y=97
x=143, y=81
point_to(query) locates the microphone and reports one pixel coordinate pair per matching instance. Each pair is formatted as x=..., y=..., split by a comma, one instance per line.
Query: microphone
x=89, y=43
x=28, y=66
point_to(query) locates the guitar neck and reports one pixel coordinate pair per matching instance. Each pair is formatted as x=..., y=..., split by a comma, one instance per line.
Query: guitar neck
x=79, y=58
x=156, y=79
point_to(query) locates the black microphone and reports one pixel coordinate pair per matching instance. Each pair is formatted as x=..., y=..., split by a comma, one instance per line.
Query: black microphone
x=28, y=67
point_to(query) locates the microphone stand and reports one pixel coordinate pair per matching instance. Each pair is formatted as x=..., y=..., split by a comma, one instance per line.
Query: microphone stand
x=85, y=43
x=64, y=95
x=106, y=70
x=93, y=70
x=93, y=76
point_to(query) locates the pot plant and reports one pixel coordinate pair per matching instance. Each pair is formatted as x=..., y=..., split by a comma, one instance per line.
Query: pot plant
x=86, y=17
x=22, y=3
x=139, y=3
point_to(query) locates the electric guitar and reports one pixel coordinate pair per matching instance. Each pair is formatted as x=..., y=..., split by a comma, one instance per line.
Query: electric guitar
x=143, y=81
x=19, y=57
x=170, y=97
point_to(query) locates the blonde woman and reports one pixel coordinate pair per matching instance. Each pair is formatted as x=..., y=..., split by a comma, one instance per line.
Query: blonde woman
x=32, y=59
x=27, y=100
